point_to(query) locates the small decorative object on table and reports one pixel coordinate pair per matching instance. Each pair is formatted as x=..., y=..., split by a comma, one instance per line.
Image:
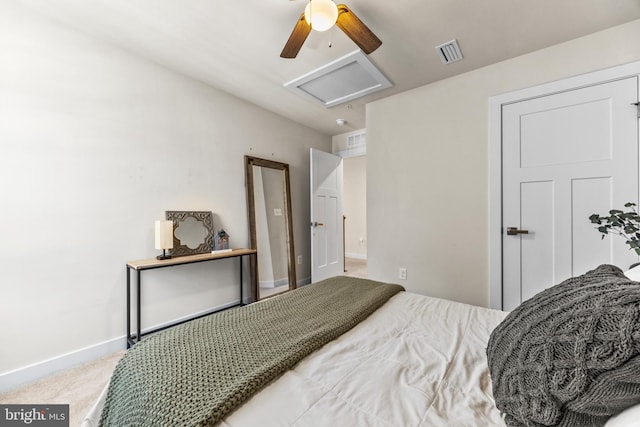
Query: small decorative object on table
x=221, y=242
x=192, y=232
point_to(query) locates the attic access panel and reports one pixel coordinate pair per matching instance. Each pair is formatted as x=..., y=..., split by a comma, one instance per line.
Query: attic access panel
x=342, y=80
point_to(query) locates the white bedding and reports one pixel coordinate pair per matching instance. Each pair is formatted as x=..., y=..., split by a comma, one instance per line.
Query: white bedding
x=417, y=361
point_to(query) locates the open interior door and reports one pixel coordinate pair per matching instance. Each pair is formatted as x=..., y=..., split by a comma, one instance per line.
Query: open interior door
x=327, y=257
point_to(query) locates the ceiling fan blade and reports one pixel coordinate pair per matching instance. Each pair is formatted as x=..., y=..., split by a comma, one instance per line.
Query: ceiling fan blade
x=356, y=30
x=296, y=39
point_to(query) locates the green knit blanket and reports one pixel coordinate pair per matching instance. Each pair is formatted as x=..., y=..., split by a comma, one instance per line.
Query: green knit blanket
x=196, y=373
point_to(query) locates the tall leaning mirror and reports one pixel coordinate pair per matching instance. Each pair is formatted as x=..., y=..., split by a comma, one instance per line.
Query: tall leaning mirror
x=270, y=226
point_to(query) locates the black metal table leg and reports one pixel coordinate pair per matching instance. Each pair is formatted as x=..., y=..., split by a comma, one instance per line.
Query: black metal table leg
x=241, y=284
x=128, y=306
x=138, y=337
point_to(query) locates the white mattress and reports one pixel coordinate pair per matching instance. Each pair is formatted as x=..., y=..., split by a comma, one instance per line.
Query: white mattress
x=417, y=361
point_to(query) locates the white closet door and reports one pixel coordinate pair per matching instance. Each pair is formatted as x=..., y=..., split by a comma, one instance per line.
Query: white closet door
x=565, y=156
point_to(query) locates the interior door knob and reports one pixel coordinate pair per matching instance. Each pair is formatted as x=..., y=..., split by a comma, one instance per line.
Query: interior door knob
x=317, y=224
x=513, y=231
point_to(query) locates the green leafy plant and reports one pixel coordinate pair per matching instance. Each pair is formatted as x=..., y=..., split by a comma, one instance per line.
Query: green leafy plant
x=625, y=224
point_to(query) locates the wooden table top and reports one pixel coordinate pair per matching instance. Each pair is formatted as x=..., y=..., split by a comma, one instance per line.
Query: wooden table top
x=156, y=263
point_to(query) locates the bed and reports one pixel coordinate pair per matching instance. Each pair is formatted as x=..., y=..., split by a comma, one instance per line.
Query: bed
x=412, y=361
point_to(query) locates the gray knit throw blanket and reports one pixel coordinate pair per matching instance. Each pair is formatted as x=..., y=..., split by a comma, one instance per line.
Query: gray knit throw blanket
x=569, y=356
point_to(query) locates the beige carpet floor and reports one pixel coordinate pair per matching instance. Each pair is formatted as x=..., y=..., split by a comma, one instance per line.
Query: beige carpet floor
x=355, y=267
x=79, y=387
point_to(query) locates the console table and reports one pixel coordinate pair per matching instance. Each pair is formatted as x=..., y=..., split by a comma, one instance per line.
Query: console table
x=149, y=264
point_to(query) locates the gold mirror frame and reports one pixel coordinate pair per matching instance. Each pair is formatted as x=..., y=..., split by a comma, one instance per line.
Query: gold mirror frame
x=250, y=162
x=205, y=218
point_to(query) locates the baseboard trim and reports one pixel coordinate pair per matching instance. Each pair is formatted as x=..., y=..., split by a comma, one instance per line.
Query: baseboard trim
x=356, y=256
x=39, y=370
x=31, y=373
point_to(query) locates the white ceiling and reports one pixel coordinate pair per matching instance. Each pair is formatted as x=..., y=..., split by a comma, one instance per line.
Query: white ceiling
x=235, y=45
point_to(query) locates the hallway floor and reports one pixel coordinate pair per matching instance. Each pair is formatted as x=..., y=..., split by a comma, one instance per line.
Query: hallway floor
x=355, y=267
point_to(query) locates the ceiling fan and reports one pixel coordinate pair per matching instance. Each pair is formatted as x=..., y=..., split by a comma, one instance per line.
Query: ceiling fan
x=321, y=15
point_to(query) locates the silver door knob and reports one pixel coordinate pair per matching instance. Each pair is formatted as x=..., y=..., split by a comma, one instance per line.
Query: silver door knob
x=513, y=231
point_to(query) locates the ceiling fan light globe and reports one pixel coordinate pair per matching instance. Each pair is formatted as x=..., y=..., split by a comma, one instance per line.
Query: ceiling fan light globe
x=321, y=14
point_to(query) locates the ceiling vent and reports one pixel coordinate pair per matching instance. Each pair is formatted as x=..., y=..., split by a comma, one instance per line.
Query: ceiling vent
x=449, y=52
x=342, y=80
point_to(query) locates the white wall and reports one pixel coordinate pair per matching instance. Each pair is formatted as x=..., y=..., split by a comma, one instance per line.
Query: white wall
x=96, y=144
x=427, y=167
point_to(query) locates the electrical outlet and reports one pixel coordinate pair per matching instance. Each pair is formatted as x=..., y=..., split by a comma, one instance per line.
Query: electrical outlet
x=402, y=273
x=299, y=259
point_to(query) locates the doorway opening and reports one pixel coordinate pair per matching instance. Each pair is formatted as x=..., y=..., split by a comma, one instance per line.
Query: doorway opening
x=355, y=215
